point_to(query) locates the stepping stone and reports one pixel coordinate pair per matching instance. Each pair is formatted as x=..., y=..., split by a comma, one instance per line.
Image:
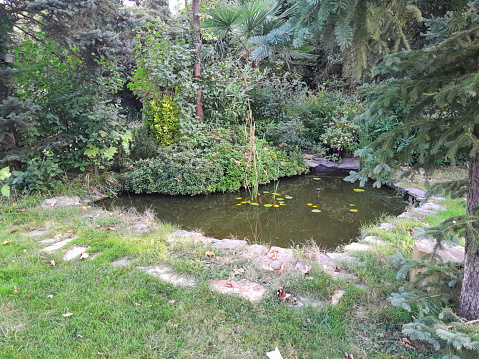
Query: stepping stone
x=254, y=251
x=278, y=255
x=234, y=244
x=38, y=232
x=387, y=226
x=358, y=247
x=120, y=262
x=73, y=253
x=169, y=275
x=338, y=294
x=448, y=253
x=194, y=237
x=61, y=201
x=247, y=290
x=341, y=257
x=48, y=240
x=373, y=240
x=57, y=246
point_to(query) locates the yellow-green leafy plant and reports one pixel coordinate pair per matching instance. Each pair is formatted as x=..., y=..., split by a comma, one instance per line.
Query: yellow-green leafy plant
x=162, y=117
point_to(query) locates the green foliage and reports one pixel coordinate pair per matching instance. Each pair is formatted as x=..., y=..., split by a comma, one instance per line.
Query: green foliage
x=165, y=67
x=4, y=174
x=210, y=162
x=342, y=137
x=161, y=116
x=143, y=144
x=39, y=175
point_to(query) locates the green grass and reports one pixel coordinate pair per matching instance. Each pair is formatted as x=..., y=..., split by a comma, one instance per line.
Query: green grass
x=124, y=313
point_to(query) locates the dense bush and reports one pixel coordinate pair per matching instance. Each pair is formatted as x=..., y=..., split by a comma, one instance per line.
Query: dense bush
x=211, y=161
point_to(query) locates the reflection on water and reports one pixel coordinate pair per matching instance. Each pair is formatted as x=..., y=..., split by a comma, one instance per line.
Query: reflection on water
x=342, y=210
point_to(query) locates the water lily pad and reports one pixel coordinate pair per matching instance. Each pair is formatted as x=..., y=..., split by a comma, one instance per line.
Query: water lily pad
x=238, y=198
x=316, y=178
x=254, y=204
x=275, y=205
x=244, y=202
x=265, y=192
x=309, y=204
x=358, y=190
x=283, y=204
x=239, y=204
x=280, y=199
x=288, y=197
x=315, y=206
x=268, y=205
x=353, y=210
x=352, y=205
x=276, y=194
x=316, y=210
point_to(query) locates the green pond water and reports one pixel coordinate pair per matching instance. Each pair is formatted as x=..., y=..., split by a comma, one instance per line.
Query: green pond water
x=319, y=206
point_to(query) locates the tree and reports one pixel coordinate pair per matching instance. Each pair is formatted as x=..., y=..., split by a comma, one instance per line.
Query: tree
x=195, y=10
x=438, y=90
x=362, y=31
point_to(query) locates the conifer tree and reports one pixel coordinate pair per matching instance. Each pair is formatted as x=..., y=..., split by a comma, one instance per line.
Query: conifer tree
x=438, y=89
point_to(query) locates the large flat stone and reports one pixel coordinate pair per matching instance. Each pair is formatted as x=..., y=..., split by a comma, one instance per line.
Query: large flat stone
x=447, y=253
x=169, y=275
x=234, y=244
x=57, y=246
x=74, y=253
x=247, y=290
x=61, y=201
x=358, y=247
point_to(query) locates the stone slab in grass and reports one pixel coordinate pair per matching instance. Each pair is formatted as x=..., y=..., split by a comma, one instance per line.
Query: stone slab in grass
x=358, y=247
x=195, y=237
x=373, y=240
x=74, y=253
x=341, y=257
x=284, y=256
x=387, y=226
x=38, y=232
x=254, y=251
x=247, y=290
x=169, y=275
x=61, y=201
x=447, y=253
x=57, y=246
x=430, y=208
x=120, y=262
x=234, y=244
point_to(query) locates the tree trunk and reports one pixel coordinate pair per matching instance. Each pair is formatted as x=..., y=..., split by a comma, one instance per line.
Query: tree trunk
x=469, y=298
x=195, y=9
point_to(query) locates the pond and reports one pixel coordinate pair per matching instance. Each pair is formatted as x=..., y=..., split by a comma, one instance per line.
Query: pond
x=319, y=206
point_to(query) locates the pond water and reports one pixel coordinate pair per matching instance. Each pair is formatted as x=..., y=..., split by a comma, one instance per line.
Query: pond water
x=319, y=206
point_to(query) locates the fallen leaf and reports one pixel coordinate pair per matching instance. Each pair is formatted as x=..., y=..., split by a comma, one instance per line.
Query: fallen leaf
x=337, y=270
x=316, y=210
x=111, y=228
x=84, y=208
x=13, y=231
x=411, y=231
x=218, y=258
x=209, y=254
x=336, y=297
x=7, y=242
x=137, y=304
x=52, y=263
x=15, y=289
x=281, y=267
x=177, y=179
x=50, y=296
x=353, y=210
x=268, y=267
x=274, y=255
x=274, y=354
x=21, y=210
x=405, y=342
x=24, y=251
x=308, y=320
x=309, y=204
x=349, y=356
x=70, y=230
x=67, y=314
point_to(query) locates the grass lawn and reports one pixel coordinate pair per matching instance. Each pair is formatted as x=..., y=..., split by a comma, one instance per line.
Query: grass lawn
x=51, y=308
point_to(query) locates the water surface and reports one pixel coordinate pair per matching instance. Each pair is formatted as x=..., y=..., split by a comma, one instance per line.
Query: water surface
x=221, y=215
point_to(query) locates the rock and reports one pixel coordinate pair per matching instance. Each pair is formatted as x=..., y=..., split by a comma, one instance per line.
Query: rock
x=235, y=244
x=169, y=275
x=194, y=237
x=338, y=294
x=254, y=251
x=73, y=253
x=430, y=208
x=373, y=240
x=120, y=262
x=341, y=257
x=387, y=226
x=278, y=255
x=247, y=290
x=448, y=253
x=38, y=232
x=424, y=249
x=357, y=247
x=61, y=201
x=304, y=268
x=57, y=246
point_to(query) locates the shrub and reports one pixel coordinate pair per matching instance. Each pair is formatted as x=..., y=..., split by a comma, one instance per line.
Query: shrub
x=161, y=116
x=341, y=136
x=143, y=144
